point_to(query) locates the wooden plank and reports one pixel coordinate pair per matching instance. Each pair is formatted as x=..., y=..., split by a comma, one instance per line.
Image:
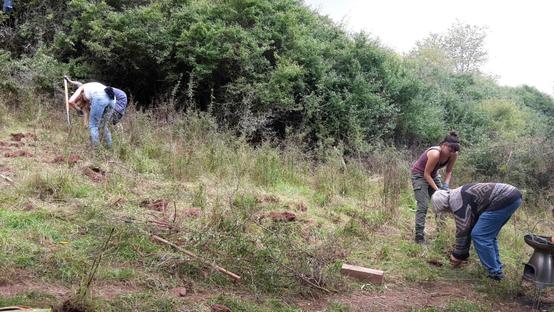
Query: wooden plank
x=363, y=274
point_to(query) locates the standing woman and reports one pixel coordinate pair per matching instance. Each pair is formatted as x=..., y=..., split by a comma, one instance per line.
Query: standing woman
x=102, y=101
x=426, y=179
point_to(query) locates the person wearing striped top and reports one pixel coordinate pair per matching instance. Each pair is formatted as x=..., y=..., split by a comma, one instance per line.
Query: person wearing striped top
x=480, y=211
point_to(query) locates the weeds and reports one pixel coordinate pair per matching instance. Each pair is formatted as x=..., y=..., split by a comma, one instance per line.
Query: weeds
x=347, y=211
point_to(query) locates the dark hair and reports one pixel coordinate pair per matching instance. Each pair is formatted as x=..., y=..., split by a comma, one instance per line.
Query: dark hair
x=109, y=92
x=452, y=141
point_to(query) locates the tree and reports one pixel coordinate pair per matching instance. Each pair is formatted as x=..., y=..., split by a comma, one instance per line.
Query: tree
x=465, y=46
x=461, y=49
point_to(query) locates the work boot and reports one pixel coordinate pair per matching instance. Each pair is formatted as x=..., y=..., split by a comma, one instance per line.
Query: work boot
x=420, y=239
x=496, y=276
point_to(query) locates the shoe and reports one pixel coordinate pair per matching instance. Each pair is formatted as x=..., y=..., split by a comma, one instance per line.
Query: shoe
x=496, y=276
x=419, y=239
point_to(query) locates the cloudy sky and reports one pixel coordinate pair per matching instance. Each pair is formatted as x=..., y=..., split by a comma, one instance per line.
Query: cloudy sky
x=520, y=34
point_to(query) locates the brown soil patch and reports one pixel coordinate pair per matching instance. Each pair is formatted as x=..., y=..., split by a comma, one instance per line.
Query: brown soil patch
x=94, y=173
x=192, y=213
x=112, y=290
x=284, y=216
x=9, y=290
x=16, y=144
x=58, y=160
x=17, y=154
x=220, y=308
x=17, y=137
x=72, y=159
x=399, y=298
x=179, y=292
x=156, y=205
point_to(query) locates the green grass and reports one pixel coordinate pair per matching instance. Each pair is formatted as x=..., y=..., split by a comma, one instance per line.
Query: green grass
x=345, y=213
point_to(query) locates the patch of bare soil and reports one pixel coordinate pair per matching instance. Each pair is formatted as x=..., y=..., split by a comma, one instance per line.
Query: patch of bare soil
x=6, y=170
x=19, y=153
x=94, y=173
x=280, y=216
x=219, y=308
x=17, y=137
x=437, y=294
x=156, y=205
x=192, y=213
x=9, y=289
x=72, y=159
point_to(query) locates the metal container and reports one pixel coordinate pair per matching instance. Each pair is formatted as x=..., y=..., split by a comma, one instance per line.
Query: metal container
x=540, y=268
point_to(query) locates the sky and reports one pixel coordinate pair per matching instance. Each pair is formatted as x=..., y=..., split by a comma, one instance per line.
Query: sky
x=520, y=34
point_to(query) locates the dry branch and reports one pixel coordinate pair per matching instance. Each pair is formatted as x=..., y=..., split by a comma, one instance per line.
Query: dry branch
x=192, y=255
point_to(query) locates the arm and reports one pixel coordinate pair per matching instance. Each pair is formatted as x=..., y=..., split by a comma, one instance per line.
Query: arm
x=77, y=97
x=449, y=168
x=75, y=83
x=463, y=239
x=432, y=160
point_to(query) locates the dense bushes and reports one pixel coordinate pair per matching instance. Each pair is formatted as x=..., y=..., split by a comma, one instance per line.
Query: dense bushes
x=272, y=70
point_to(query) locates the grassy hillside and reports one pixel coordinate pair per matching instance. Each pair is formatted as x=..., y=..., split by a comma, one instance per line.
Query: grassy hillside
x=213, y=194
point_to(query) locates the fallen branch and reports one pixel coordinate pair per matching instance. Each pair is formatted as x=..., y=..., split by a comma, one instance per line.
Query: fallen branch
x=7, y=179
x=192, y=255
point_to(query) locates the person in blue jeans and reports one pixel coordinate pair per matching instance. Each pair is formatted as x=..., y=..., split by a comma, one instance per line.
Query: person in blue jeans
x=120, y=101
x=102, y=102
x=480, y=211
x=7, y=7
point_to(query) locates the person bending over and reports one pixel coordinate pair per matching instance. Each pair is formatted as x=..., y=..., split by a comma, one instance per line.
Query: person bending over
x=102, y=101
x=480, y=211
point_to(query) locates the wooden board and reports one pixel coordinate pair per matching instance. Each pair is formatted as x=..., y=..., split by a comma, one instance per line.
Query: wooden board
x=363, y=274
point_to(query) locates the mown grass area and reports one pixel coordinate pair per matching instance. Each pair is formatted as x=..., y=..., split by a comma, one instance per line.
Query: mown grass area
x=216, y=192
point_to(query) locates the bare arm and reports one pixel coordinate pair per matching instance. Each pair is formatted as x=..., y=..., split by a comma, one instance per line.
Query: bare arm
x=449, y=168
x=432, y=160
x=77, y=97
x=75, y=83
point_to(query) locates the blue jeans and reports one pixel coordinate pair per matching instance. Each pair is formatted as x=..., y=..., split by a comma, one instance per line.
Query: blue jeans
x=101, y=107
x=485, y=232
x=8, y=6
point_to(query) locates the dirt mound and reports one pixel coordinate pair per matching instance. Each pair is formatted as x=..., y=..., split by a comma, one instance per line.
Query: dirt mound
x=95, y=174
x=156, y=205
x=220, y=308
x=19, y=153
x=179, y=292
x=192, y=213
x=72, y=159
x=17, y=137
x=280, y=216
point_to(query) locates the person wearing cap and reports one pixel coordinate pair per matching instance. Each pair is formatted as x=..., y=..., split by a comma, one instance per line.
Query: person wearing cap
x=480, y=211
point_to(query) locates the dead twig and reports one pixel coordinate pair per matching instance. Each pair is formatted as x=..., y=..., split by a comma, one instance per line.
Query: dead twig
x=192, y=255
x=7, y=179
